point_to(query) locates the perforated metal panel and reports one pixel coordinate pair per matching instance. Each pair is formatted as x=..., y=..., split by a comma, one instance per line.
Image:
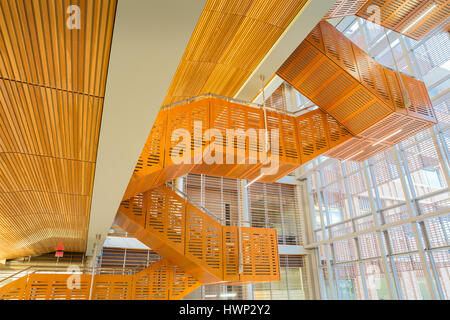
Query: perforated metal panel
x=353, y=107
x=398, y=15
x=160, y=281
x=231, y=253
x=204, y=240
x=163, y=281
x=14, y=290
x=320, y=131
x=54, y=287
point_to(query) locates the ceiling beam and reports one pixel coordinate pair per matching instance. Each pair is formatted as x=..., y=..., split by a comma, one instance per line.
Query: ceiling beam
x=308, y=17
x=148, y=42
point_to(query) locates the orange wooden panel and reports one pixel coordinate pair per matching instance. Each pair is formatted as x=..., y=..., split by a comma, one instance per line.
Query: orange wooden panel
x=204, y=241
x=229, y=41
x=222, y=114
x=37, y=47
x=54, y=287
x=230, y=241
x=398, y=15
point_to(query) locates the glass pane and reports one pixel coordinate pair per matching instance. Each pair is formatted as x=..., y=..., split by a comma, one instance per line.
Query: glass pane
x=349, y=282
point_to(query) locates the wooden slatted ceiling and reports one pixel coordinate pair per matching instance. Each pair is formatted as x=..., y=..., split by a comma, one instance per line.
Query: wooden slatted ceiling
x=228, y=43
x=52, y=84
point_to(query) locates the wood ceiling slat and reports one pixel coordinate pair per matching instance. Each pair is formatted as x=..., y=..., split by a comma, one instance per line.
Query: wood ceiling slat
x=52, y=83
x=230, y=40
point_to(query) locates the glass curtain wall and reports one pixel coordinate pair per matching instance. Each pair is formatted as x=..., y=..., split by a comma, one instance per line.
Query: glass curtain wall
x=382, y=227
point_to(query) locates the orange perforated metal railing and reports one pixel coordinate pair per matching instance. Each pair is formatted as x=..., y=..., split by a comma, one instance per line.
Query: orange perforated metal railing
x=160, y=281
x=192, y=239
x=360, y=111
x=398, y=15
x=377, y=105
x=301, y=138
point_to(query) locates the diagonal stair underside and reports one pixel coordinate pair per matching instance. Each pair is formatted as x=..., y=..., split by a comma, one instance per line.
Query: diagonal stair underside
x=160, y=281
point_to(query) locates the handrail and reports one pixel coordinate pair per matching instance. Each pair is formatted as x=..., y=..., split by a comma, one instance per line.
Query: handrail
x=14, y=274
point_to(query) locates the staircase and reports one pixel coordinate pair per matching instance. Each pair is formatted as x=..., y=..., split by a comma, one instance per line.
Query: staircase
x=364, y=108
x=196, y=247
x=196, y=241
x=160, y=281
x=302, y=137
